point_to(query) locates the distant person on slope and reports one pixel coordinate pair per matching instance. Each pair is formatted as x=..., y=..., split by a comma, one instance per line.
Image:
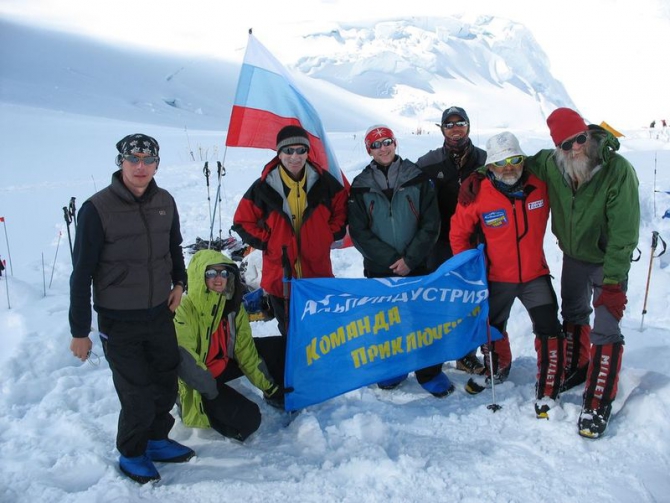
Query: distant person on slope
x=595, y=213
x=295, y=204
x=512, y=209
x=128, y=245
x=447, y=167
x=394, y=222
x=216, y=347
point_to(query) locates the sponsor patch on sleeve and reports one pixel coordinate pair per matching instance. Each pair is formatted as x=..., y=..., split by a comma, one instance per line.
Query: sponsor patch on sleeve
x=496, y=218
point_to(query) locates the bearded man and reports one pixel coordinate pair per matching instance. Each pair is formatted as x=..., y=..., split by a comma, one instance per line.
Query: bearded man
x=511, y=211
x=595, y=206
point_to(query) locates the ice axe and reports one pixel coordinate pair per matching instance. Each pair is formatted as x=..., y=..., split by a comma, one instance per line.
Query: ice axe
x=655, y=236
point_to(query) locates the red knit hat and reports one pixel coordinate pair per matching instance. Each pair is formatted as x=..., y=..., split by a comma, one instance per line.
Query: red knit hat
x=377, y=132
x=564, y=123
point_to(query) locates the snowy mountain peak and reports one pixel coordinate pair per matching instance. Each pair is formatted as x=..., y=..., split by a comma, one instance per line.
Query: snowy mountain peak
x=416, y=61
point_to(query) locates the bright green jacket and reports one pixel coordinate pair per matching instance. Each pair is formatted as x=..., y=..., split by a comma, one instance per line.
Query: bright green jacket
x=599, y=222
x=197, y=317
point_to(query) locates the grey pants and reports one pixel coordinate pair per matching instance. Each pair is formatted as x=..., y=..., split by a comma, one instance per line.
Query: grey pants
x=581, y=284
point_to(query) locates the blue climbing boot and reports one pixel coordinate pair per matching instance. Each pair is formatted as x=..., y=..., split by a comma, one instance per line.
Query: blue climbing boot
x=168, y=451
x=439, y=386
x=139, y=468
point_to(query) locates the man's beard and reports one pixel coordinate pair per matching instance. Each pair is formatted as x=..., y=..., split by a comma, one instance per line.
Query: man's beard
x=508, y=179
x=579, y=167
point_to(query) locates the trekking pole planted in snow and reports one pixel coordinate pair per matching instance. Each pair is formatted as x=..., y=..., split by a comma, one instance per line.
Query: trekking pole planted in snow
x=9, y=253
x=655, y=236
x=206, y=172
x=493, y=405
x=288, y=275
x=221, y=170
x=53, y=267
x=68, y=221
x=73, y=212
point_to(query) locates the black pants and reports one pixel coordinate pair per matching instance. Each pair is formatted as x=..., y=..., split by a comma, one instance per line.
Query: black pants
x=143, y=358
x=231, y=413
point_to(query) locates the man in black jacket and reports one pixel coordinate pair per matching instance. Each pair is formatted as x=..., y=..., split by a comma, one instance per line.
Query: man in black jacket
x=128, y=245
x=447, y=167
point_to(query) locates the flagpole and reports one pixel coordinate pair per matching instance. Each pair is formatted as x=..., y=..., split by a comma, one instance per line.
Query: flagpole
x=9, y=253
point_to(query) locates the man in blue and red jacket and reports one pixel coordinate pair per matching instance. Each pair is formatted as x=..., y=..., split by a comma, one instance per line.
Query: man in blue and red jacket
x=294, y=204
x=512, y=210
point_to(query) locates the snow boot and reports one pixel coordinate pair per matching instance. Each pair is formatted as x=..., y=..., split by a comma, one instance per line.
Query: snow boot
x=393, y=383
x=549, y=371
x=168, y=451
x=139, y=468
x=577, y=349
x=502, y=359
x=601, y=389
x=470, y=364
x=502, y=364
x=439, y=386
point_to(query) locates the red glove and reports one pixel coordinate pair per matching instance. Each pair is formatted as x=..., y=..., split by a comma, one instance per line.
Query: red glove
x=470, y=188
x=614, y=299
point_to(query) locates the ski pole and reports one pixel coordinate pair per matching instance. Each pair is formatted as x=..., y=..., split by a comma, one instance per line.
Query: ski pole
x=286, y=265
x=655, y=236
x=221, y=170
x=493, y=406
x=68, y=220
x=207, y=172
x=73, y=212
x=53, y=267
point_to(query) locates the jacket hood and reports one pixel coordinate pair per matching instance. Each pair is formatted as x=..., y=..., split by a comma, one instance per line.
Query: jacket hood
x=197, y=289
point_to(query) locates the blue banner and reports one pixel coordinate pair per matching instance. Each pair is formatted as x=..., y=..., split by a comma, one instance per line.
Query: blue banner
x=349, y=333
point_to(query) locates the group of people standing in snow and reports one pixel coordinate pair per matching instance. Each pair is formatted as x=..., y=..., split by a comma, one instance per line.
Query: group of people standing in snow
x=164, y=346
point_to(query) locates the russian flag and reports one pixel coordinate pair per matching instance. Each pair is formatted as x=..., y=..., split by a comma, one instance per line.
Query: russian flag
x=266, y=100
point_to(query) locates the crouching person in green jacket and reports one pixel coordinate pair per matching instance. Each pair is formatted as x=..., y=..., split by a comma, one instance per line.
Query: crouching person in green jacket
x=216, y=347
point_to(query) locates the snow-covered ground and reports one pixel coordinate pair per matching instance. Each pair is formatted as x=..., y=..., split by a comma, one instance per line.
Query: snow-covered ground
x=58, y=416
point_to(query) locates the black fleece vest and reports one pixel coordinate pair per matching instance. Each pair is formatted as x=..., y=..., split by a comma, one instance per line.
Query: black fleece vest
x=135, y=266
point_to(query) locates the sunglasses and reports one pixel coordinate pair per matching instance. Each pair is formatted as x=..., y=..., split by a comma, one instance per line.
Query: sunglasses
x=579, y=139
x=450, y=125
x=514, y=161
x=383, y=143
x=213, y=273
x=294, y=150
x=148, y=160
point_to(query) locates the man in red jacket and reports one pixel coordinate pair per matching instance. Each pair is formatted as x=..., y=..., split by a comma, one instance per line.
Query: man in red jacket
x=296, y=205
x=512, y=209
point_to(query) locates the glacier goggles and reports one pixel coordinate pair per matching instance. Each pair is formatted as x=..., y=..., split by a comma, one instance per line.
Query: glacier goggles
x=382, y=143
x=294, y=150
x=514, y=161
x=213, y=273
x=134, y=159
x=451, y=125
x=580, y=139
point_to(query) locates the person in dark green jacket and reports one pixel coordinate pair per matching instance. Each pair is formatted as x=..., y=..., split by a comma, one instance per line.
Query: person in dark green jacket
x=394, y=222
x=216, y=346
x=595, y=215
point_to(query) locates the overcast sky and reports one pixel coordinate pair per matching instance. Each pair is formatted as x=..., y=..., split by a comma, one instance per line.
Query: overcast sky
x=605, y=52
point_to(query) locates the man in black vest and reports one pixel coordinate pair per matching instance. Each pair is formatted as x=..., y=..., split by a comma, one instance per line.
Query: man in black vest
x=128, y=244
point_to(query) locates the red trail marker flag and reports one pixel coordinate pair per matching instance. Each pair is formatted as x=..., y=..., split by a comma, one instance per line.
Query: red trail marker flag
x=266, y=100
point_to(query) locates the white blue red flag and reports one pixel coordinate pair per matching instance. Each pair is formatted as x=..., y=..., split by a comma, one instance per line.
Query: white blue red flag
x=266, y=100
